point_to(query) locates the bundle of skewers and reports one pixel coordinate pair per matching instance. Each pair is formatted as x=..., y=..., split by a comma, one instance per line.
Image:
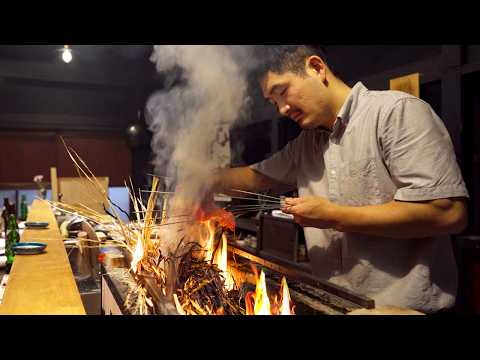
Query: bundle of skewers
x=258, y=203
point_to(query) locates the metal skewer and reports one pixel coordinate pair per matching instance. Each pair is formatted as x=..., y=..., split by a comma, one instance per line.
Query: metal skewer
x=258, y=200
x=256, y=194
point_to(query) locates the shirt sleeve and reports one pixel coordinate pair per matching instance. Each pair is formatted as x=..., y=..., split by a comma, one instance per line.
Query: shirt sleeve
x=419, y=153
x=282, y=166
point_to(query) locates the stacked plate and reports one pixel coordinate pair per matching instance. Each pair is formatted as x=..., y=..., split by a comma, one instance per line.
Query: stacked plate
x=36, y=225
x=29, y=248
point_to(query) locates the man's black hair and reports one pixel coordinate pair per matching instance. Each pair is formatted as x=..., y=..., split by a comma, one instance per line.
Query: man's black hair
x=288, y=58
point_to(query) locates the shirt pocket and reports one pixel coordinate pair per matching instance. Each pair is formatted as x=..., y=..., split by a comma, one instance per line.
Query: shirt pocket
x=359, y=184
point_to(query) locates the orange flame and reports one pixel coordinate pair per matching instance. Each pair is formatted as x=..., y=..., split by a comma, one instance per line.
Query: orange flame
x=137, y=255
x=210, y=221
x=224, y=218
x=262, y=302
x=258, y=303
x=210, y=225
x=221, y=260
x=286, y=308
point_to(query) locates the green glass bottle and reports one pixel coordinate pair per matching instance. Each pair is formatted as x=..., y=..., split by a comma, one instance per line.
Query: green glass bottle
x=11, y=239
x=23, y=208
x=5, y=213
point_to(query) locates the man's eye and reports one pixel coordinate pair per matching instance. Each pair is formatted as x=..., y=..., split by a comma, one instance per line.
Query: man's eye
x=284, y=92
x=274, y=104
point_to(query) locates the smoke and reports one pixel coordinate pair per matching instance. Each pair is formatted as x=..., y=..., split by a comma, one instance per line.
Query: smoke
x=206, y=92
x=208, y=89
x=205, y=95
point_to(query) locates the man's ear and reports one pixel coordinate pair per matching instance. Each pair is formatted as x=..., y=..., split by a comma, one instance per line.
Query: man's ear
x=315, y=66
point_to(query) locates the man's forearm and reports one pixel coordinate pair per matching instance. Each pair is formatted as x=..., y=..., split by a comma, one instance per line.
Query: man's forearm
x=403, y=219
x=243, y=178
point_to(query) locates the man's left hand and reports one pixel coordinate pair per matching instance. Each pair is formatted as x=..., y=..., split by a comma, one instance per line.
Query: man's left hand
x=311, y=212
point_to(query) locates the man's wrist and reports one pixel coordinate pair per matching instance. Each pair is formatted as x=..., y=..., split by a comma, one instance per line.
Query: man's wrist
x=337, y=215
x=217, y=182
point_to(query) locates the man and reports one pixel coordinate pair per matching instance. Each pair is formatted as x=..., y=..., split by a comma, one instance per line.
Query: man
x=380, y=189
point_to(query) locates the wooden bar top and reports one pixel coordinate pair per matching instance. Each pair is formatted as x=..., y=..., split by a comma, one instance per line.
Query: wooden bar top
x=42, y=284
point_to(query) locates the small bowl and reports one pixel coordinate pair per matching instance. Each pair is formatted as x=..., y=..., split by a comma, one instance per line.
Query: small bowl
x=36, y=225
x=29, y=248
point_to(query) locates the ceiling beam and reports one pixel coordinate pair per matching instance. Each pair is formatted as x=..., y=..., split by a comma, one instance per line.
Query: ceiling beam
x=73, y=73
x=62, y=122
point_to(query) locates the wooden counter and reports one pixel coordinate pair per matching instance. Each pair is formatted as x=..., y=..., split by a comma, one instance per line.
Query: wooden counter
x=42, y=284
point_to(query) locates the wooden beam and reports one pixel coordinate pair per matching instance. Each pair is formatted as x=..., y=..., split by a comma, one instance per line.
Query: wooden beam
x=61, y=122
x=54, y=181
x=22, y=186
x=76, y=73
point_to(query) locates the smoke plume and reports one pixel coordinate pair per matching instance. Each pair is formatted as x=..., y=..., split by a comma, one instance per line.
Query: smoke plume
x=206, y=94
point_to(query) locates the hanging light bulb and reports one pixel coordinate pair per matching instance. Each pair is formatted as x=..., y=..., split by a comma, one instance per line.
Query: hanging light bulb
x=67, y=54
x=132, y=129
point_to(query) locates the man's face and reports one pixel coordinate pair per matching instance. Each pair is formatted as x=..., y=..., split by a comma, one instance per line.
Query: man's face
x=304, y=99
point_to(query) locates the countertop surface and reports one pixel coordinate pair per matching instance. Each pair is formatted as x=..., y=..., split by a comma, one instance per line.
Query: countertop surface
x=42, y=284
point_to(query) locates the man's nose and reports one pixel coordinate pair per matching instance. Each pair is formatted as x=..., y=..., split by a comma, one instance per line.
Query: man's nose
x=285, y=110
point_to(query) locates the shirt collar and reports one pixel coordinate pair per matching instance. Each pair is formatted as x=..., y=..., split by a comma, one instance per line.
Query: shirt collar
x=347, y=110
x=351, y=103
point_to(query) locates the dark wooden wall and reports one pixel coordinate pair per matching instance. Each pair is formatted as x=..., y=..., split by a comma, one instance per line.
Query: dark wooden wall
x=91, y=102
x=27, y=154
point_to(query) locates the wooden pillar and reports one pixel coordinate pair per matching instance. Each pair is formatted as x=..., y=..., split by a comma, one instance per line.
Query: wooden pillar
x=54, y=182
x=452, y=94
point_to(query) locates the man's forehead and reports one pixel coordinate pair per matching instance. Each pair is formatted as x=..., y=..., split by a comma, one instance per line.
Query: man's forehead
x=270, y=80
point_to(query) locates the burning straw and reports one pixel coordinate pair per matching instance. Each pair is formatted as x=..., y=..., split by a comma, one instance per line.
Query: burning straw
x=193, y=277
x=202, y=288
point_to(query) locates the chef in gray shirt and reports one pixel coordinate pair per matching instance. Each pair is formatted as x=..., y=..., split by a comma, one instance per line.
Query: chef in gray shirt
x=380, y=190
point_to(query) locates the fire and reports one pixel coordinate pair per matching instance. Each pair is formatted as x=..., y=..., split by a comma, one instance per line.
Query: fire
x=261, y=301
x=224, y=218
x=258, y=303
x=210, y=221
x=137, y=255
x=221, y=260
x=209, y=243
x=285, y=308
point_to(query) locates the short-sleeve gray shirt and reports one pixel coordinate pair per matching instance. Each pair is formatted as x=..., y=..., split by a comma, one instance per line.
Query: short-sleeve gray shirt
x=385, y=145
